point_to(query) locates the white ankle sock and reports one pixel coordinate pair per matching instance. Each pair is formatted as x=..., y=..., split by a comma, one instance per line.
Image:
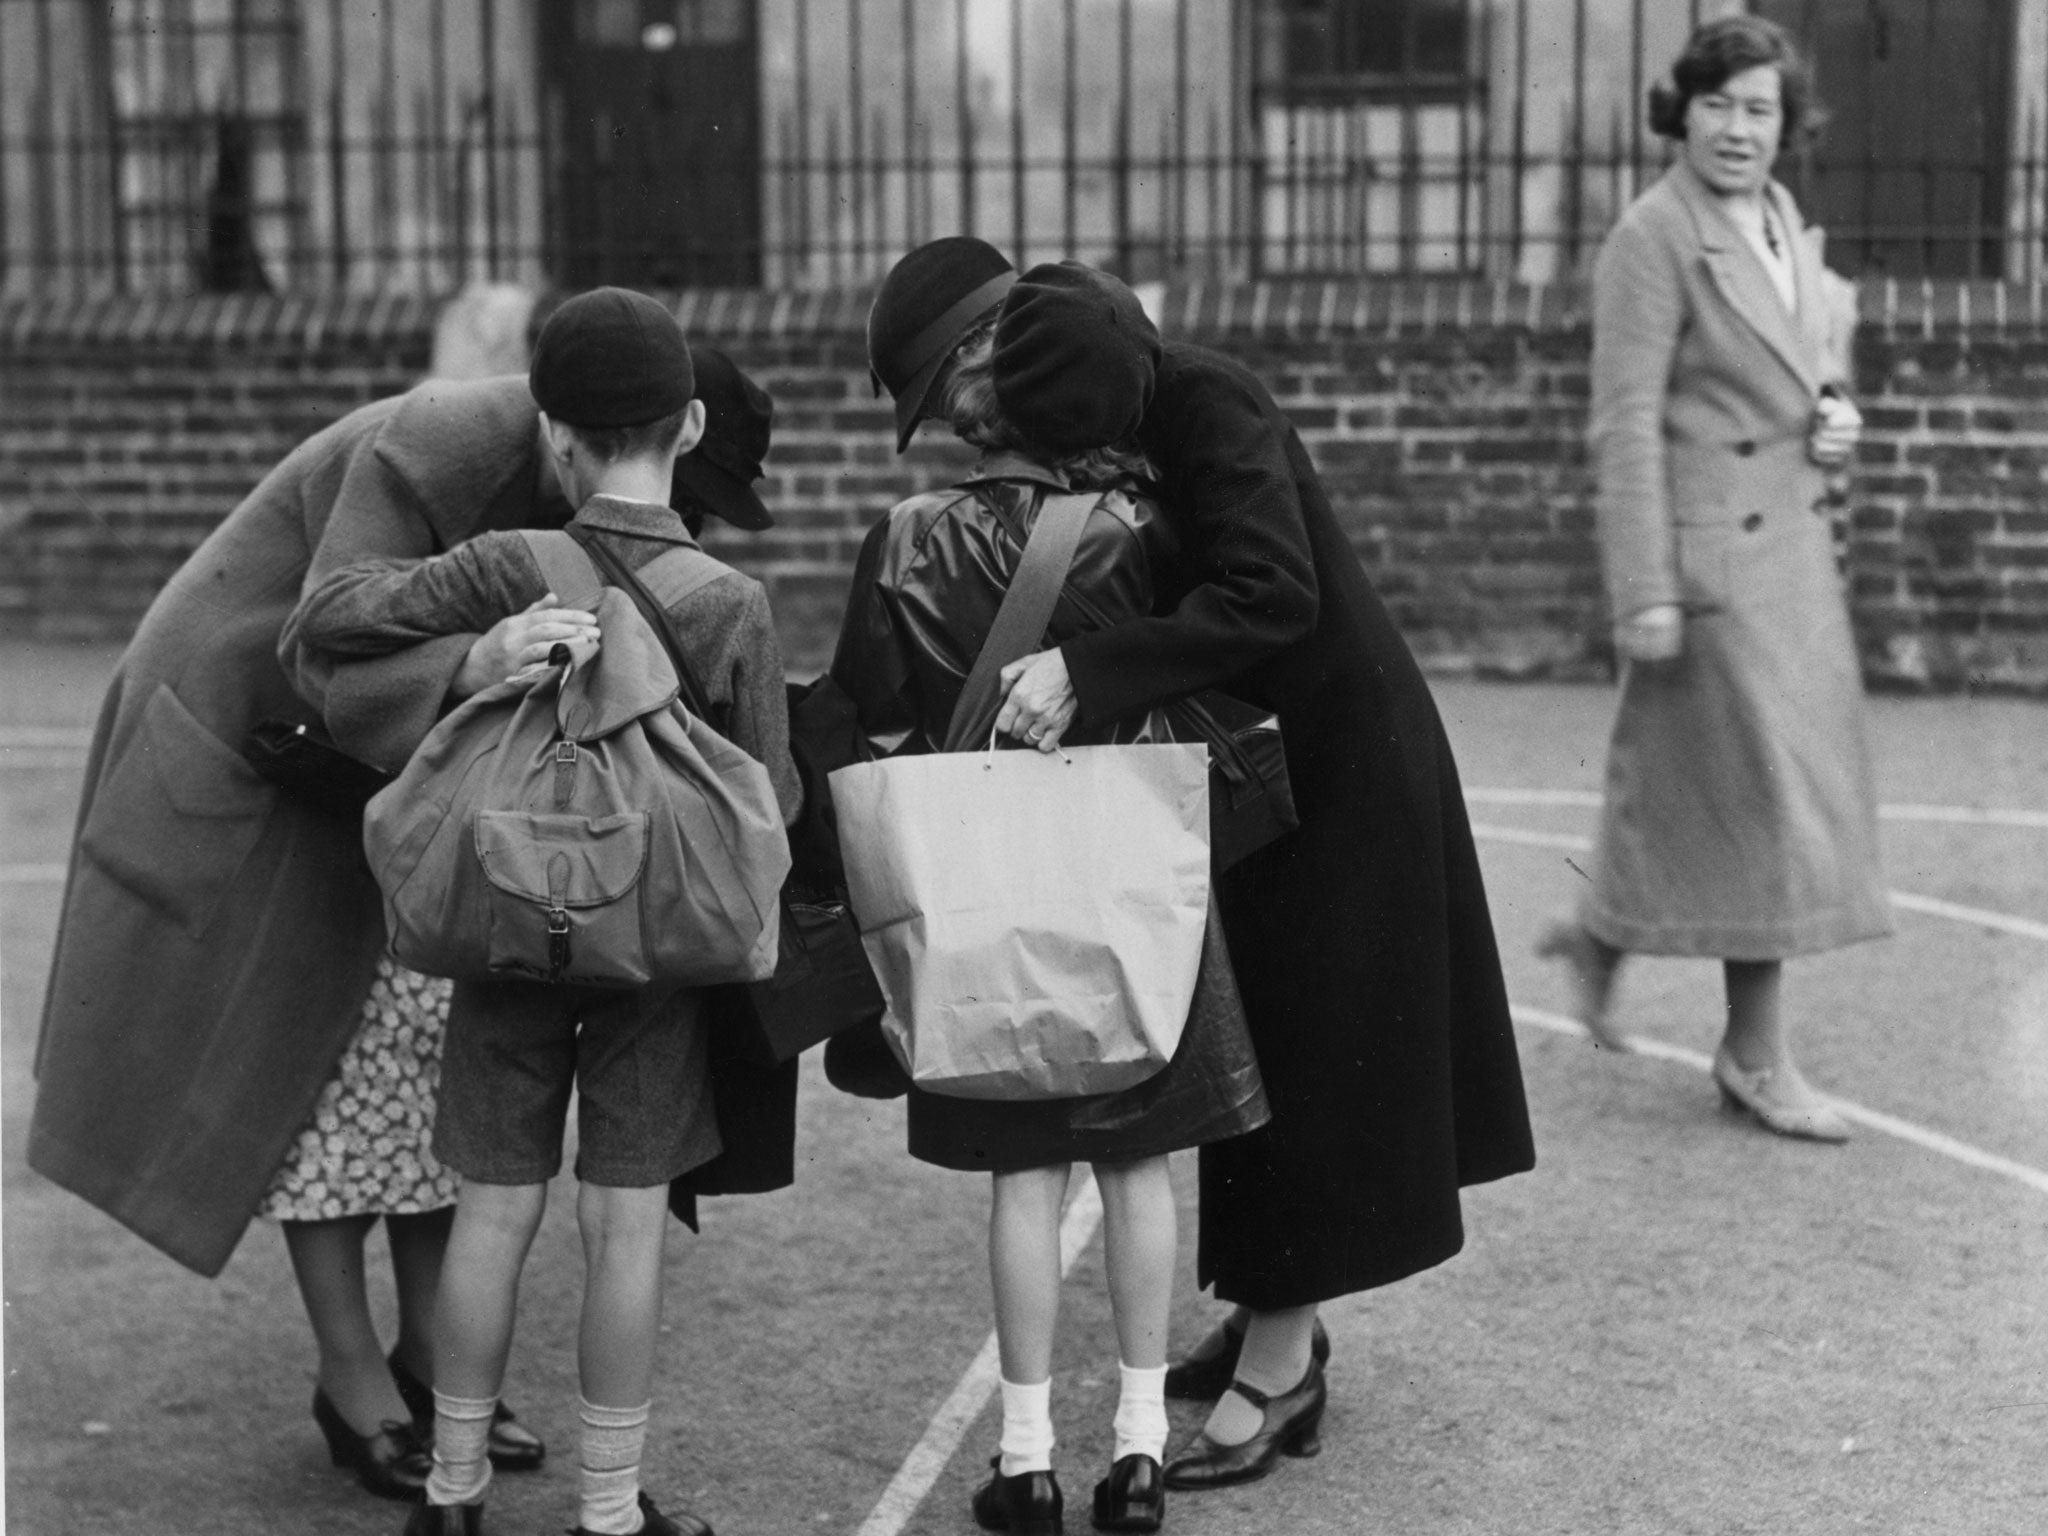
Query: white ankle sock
x=612, y=1442
x=1027, y=1427
x=1140, y=1412
x=462, y=1432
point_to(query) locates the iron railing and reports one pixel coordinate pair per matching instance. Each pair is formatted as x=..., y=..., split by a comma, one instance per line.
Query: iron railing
x=317, y=144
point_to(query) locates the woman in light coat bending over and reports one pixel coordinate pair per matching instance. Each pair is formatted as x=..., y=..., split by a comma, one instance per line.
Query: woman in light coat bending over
x=1738, y=818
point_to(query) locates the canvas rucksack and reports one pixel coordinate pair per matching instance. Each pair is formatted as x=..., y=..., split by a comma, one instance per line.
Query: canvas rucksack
x=585, y=827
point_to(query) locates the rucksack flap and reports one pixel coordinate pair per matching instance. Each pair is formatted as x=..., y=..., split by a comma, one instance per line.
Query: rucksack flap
x=582, y=828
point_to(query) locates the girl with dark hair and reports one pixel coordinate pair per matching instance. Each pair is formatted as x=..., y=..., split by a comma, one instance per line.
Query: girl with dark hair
x=931, y=578
x=1738, y=821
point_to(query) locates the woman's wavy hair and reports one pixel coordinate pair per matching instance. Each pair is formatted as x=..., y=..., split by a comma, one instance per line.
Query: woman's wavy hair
x=968, y=405
x=1719, y=50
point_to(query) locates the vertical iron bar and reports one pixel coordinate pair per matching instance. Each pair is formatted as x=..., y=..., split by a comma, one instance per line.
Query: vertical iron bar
x=1017, y=134
x=1576, y=203
x=1070, y=171
x=1178, y=234
x=963, y=117
x=911, y=232
x=487, y=45
x=1123, y=140
x=802, y=168
x=434, y=224
x=856, y=135
x=1520, y=147
x=1636, y=107
x=337, y=154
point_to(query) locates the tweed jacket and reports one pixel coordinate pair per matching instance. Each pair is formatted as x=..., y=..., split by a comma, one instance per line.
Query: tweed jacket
x=1704, y=388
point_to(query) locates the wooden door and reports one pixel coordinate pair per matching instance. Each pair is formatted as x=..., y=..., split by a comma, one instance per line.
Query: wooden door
x=656, y=125
x=1909, y=176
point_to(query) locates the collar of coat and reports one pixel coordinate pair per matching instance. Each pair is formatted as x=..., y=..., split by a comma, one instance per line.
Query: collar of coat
x=635, y=519
x=1799, y=340
x=996, y=468
x=458, y=444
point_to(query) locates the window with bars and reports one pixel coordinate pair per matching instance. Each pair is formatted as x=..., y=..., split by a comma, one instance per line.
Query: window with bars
x=1370, y=116
x=208, y=122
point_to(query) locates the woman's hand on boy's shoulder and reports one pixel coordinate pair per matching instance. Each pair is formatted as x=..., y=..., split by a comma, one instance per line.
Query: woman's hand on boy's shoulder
x=521, y=641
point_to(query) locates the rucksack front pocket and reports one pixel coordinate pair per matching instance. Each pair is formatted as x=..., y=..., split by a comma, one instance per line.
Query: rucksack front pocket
x=564, y=896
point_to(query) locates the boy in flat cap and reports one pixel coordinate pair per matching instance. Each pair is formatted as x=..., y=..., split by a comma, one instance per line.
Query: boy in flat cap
x=615, y=381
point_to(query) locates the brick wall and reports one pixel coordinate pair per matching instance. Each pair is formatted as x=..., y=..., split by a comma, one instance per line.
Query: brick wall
x=1447, y=421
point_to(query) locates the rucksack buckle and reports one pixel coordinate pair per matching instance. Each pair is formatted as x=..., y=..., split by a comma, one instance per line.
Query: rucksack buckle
x=558, y=942
x=565, y=751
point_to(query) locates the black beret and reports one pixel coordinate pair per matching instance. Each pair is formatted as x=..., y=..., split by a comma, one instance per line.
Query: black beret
x=611, y=358
x=721, y=470
x=929, y=301
x=1074, y=359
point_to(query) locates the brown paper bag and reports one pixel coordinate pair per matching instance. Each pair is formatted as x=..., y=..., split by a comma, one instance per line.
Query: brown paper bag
x=1035, y=920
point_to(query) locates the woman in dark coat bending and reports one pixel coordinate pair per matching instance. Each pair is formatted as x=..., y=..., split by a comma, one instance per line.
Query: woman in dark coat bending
x=1363, y=945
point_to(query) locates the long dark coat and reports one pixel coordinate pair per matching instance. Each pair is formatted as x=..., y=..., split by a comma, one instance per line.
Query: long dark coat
x=1363, y=943
x=217, y=937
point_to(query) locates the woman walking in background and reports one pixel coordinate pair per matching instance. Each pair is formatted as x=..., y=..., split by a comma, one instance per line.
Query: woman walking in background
x=1738, y=820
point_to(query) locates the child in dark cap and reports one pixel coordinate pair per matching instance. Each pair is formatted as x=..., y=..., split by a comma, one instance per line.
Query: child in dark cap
x=617, y=386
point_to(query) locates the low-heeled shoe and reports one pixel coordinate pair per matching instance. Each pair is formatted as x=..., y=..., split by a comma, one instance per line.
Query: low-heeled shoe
x=511, y=1446
x=445, y=1520
x=1293, y=1421
x=393, y=1463
x=1810, y=1118
x=1028, y=1504
x=682, y=1523
x=1210, y=1377
x=1132, y=1497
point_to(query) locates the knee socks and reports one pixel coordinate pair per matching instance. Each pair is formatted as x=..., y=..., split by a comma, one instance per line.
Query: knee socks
x=462, y=1432
x=1141, y=1412
x=1027, y=1428
x=613, y=1439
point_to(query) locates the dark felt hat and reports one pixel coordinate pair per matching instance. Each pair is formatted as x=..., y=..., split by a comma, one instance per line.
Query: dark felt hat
x=719, y=473
x=1074, y=359
x=611, y=358
x=930, y=300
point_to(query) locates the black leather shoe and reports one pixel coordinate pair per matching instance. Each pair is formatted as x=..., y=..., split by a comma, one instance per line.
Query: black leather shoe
x=1209, y=1378
x=1292, y=1422
x=445, y=1520
x=1132, y=1497
x=512, y=1447
x=1028, y=1504
x=393, y=1463
x=658, y=1524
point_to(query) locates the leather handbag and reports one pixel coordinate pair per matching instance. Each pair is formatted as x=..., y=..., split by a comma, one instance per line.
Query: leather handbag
x=303, y=761
x=822, y=982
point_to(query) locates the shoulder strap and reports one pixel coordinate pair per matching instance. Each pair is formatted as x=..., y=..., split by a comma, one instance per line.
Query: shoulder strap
x=671, y=577
x=617, y=573
x=566, y=567
x=1027, y=609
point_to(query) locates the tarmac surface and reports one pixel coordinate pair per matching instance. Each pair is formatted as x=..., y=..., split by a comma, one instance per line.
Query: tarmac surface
x=1678, y=1323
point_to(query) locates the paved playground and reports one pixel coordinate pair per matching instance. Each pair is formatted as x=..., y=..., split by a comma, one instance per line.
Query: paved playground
x=1676, y=1324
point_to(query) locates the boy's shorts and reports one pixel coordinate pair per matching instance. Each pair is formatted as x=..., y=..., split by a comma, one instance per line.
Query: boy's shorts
x=637, y=1060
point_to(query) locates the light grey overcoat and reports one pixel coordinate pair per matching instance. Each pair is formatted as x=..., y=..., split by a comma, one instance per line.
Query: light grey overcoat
x=1738, y=820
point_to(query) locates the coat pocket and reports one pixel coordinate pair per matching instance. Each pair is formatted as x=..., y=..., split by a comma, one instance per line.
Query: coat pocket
x=175, y=818
x=1704, y=557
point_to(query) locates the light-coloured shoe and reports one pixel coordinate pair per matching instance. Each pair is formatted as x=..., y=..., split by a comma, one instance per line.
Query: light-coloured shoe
x=1592, y=979
x=1802, y=1113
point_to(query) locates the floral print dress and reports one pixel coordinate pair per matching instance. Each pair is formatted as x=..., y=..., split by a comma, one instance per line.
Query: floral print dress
x=367, y=1150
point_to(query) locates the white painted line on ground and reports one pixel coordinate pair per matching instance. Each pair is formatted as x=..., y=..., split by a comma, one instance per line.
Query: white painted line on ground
x=1876, y=1119
x=1953, y=815
x=31, y=874
x=942, y=1437
x=1926, y=906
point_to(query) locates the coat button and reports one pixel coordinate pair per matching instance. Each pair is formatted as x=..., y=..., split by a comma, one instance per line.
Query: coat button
x=1745, y=447
x=1751, y=523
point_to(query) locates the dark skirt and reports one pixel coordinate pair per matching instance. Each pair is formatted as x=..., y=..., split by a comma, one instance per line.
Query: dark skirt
x=1209, y=1091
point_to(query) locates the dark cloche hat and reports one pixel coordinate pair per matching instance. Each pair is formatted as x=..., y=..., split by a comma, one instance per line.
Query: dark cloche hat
x=1074, y=359
x=928, y=302
x=611, y=358
x=719, y=473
